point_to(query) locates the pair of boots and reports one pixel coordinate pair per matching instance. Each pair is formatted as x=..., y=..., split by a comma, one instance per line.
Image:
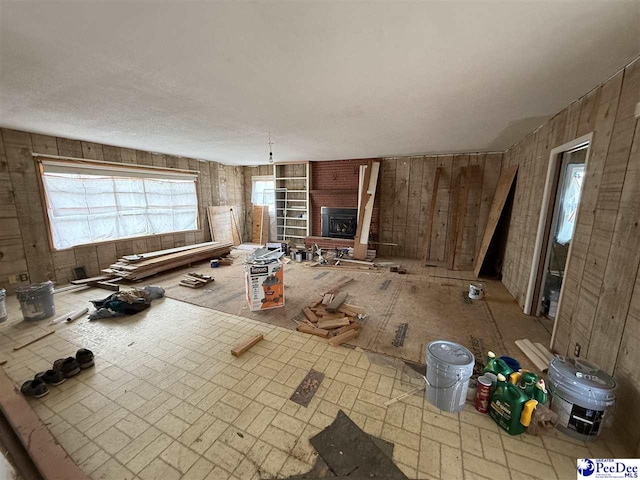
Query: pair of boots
x=62, y=369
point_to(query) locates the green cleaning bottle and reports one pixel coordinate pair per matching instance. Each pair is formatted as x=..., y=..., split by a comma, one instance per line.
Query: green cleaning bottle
x=540, y=393
x=496, y=365
x=527, y=383
x=510, y=407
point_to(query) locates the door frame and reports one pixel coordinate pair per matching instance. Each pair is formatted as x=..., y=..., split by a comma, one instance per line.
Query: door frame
x=554, y=158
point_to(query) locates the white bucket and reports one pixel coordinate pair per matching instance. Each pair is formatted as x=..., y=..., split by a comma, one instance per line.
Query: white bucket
x=449, y=367
x=476, y=291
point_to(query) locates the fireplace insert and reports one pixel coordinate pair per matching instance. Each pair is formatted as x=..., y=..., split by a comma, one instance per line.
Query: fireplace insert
x=339, y=222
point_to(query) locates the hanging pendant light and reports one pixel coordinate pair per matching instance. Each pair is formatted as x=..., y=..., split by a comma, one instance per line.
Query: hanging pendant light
x=270, y=149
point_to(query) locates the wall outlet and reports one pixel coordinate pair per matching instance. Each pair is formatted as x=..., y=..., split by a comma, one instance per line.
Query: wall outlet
x=24, y=277
x=576, y=350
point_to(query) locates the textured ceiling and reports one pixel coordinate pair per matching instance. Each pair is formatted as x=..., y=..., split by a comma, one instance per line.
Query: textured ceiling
x=330, y=80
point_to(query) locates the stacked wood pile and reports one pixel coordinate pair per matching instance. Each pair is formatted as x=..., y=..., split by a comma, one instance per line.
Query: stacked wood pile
x=139, y=266
x=195, y=280
x=332, y=318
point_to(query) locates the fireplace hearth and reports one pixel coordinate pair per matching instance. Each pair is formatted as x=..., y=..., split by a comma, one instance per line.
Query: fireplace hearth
x=339, y=222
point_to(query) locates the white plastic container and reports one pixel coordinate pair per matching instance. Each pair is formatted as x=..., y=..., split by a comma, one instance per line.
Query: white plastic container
x=3, y=305
x=449, y=367
x=476, y=291
x=582, y=395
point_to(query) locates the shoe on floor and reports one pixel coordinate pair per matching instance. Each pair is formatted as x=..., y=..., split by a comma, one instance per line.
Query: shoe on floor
x=84, y=358
x=67, y=366
x=51, y=377
x=34, y=388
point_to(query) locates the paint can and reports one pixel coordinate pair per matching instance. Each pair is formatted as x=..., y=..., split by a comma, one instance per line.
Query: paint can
x=36, y=301
x=309, y=255
x=583, y=396
x=483, y=392
x=449, y=368
x=298, y=256
x=476, y=291
x=215, y=263
x=3, y=307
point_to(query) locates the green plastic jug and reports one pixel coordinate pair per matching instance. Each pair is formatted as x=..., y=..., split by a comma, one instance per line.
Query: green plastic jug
x=496, y=365
x=510, y=407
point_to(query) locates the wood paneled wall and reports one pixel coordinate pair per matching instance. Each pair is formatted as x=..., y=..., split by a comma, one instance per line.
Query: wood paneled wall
x=406, y=186
x=600, y=304
x=24, y=244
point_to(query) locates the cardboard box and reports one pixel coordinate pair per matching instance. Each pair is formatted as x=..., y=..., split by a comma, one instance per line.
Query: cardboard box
x=264, y=285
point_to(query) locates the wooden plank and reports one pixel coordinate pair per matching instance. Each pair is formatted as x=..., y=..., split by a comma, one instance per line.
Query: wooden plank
x=334, y=323
x=466, y=173
x=243, y=347
x=312, y=330
x=458, y=192
x=48, y=456
x=346, y=328
x=260, y=224
x=340, y=286
x=84, y=281
x=426, y=248
x=365, y=213
x=441, y=222
x=387, y=189
x=492, y=165
x=338, y=299
x=502, y=193
x=416, y=167
x=30, y=342
x=529, y=350
x=344, y=337
x=400, y=201
x=310, y=315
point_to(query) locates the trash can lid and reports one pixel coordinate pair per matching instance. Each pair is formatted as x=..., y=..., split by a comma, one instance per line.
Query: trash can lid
x=451, y=353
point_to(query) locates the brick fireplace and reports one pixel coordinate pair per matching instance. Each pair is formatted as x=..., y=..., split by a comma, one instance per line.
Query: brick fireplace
x=334, y=184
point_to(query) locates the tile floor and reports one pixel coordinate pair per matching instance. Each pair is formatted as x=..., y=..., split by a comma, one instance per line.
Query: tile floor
x=167, y=400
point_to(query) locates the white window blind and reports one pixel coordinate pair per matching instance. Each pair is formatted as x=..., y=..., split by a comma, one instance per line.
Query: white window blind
x=262, y=192
x=89, y=203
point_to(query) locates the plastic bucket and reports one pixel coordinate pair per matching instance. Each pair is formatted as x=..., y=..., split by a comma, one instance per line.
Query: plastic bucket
x=449, y=367
x=581, y=395
x=3, y=305
x=36, y=301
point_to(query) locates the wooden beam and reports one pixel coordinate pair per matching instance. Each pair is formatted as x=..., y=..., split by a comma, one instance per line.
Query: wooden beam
x=243, y=347
x=505, y=183
x=310, y=315
x=365, y=211
x=51, y=460
x=344, y=337
x=313, y=330
x=333, y=323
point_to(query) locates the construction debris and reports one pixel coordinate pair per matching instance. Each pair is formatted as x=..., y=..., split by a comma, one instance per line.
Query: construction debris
x=331, y=318
x=139, y=266
x=195, y=280
x=19, y=347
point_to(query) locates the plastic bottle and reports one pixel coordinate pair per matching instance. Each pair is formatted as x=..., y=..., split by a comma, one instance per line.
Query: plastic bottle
x=496, y=365
x=510, y=407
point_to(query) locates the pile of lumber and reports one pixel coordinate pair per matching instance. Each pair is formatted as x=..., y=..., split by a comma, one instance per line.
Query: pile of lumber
x=139, y=266
x=195, y=280
x=332, y=318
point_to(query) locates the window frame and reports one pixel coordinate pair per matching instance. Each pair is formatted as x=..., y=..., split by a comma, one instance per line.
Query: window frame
x=38, y=159
x=262, y=178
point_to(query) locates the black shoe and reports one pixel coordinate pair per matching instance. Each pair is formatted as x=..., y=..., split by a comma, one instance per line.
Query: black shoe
x=52, y=377
x=68, y=366
x=84, y=358
x=34, y=388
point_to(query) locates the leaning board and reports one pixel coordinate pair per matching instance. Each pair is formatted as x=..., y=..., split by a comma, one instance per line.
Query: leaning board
x=499, y=200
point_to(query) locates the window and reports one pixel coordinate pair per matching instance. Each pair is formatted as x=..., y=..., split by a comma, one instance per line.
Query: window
x=91, y=202
x=262, y=192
